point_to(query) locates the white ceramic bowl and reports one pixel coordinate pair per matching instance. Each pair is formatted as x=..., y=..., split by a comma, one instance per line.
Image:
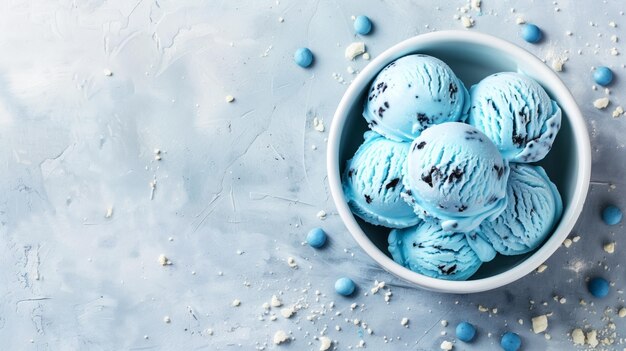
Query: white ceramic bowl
x=472, y=56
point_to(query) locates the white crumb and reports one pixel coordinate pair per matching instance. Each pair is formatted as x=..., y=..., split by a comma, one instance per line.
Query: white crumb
x=569, y=33
x=476, y=4
x=281, y=20
x=619, y=110
x=612, y=24
x=446, y=345
x=609, y=247
x=404, y=322
x=444, y=323
x=167, y=319
x=230, y=98
x=578, y=337
x=576, y=238
x=318, y=124
x=467, y=22
x=164, y=261
x=567, y=242
x=622, y=312
x=292, y=262
x=236, y=303
x=321, y=215
x=107, y=72
x=540, y=323
x=520, y=321
x=280, y=337
x=614, y=38
x=266, y=306
x=287, y=312
x=366, y=56
x=601, y=103
x=355, y=49
x=592, y=338
x=520, y=20
x=614, y=51
x=109, y=212
x=482, y=308
x=557, y=64
x=275, y=302
x=325, y=343
x=542, y=268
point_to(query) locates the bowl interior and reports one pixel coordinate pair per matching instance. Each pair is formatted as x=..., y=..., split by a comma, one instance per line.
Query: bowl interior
x=471, y=62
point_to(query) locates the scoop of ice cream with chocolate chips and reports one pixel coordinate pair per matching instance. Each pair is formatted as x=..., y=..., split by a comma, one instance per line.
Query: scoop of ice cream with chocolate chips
x=413, y=93
x=517, y=114
x=372, y=182
x=457, y=176
x=428, y=250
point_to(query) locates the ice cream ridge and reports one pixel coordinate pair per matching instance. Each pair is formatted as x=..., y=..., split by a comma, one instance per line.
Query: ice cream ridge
x=450, y=171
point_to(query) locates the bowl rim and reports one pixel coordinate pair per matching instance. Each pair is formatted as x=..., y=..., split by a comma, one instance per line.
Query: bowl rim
x=524, y=59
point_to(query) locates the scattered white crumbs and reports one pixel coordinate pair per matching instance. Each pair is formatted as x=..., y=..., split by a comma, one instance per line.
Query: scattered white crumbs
x=318, y=124
x=164, y=261
x=167, y=319
x=236, y=303
x=109, y=212
x=619, y=110
x=321, y=215
x=325, y=343
x=230, y=98
x=107, y=72
x=542, y=268
x=467, y=21
x=292, y=262
x=280, y=337
x=355, y=49
x=609, y=247
x=540, y=323
x=601, y=103
x=377, y=286
x=404, y=322
x=275, y=302
x=567, y=242
x=622, y=312
x=446, y=345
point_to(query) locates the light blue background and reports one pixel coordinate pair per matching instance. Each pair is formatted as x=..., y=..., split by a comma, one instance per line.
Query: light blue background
x=243, y=176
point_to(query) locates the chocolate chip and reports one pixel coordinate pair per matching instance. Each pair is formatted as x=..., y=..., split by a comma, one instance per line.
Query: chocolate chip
x=453, y=89
x=420, y=145
x=381, y=110
x=386, y=103
x=368, y=199
x=422, y=118
x=499, y=170
x=392, y=184
x=462, y=208
x=456, y=174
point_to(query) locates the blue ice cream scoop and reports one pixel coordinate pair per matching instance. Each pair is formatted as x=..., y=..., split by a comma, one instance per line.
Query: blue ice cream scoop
x=372, y=182
x=428, y=250
x=413, y=93
x=456, y=175
x=517, y=114
x=533, y=208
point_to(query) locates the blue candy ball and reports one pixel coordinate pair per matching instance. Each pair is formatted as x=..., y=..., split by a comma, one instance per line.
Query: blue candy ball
x=465, y=331
x=598, y=287
x=303, y=57
x=612, y=215
x=344, y=286
x=603, y=75
x=316, y=238
x=510, y=341
x=531, y=33
x=362, y=25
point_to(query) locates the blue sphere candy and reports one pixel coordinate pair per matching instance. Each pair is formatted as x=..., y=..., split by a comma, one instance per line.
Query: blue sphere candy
x=303, y=57
x=465, y=331
x=344, y=286
x=316, y=238
x=612, y=215
x=510, y=341
x=603, y=75
x=362, y=25
x=531, y=33
x=598, y=287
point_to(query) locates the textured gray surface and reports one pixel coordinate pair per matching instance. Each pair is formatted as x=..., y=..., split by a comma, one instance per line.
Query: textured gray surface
x=242, y=177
